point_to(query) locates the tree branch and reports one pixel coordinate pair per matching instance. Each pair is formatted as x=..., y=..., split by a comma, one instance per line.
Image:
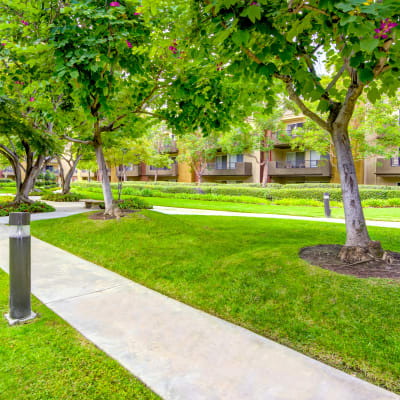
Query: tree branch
x=335, y=79
x=70, y=139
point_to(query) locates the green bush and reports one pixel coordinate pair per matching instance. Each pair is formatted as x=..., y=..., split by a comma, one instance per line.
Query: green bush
x=70, y=197
x=271, y=192
x=134, y=203
x=37, y=207
x=5, y=180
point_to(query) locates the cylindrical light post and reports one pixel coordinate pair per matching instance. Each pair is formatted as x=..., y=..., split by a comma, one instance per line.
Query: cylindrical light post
x=20, y=269
x=327, y=205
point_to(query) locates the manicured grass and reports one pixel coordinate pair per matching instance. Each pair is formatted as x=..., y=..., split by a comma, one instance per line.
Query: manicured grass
x=374, y=214
x=48, y=359
x=379, y=214
x=248, y=271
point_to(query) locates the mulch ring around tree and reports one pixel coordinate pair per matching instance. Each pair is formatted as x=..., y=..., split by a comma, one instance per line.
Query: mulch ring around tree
x=327, y=257
x=99, y=216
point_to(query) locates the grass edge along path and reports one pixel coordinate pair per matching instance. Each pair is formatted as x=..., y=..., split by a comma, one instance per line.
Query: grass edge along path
x=247, y=271
x=48, y=359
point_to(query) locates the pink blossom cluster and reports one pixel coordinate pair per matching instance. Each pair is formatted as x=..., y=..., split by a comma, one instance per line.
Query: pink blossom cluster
x=220, y=67
x=32, y=99
x=114, y=4
x=173, y=47
x=384, y=30
x=24, y=23
x=3, y=44
x=254, y=3
x=129, y=44
x=19, y=83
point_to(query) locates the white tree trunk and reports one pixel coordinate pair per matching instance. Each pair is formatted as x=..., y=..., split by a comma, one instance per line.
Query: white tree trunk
x=356, y=228
x=107, y=193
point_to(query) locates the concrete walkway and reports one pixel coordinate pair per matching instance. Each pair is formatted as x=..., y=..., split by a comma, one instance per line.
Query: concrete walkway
x=193, y=211
x=178, y=351
x=62, y=210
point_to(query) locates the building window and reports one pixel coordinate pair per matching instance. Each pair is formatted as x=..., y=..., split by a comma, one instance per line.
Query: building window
x=291, y=128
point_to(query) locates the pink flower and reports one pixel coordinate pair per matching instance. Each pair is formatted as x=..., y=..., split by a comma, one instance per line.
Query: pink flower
x=386, y=27
x=3, y=44
x=114, y=4
x=220, y=67
x=32, y=99
x=173, y=49
x=129, y=44
x=24, y=23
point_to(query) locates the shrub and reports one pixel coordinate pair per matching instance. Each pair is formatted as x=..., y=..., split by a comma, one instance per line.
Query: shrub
x=133, y=203
x=62, y=197
x=37, y=207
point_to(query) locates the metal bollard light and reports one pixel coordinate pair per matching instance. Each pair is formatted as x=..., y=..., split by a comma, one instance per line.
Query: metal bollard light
x=327, y=206
x=20, y=269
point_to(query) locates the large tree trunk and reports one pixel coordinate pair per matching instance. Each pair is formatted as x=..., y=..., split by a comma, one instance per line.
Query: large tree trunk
x=265, y=174
x=105, y=182
x=66, y=188
x=358, y=245
x=26, y=186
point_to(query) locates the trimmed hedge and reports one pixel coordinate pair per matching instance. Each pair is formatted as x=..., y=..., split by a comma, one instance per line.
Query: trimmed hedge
x=70, y=197
x=270, y=193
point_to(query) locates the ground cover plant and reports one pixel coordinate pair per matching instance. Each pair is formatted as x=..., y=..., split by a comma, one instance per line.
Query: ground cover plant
x=58, y=363
x=299, y=207
x=8, y=207
x=59, y=197
x=248, y=271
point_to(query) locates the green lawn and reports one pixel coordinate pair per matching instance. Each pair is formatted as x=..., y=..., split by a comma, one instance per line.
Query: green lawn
x=247, y=271
x=48, y=359
x=379, y=214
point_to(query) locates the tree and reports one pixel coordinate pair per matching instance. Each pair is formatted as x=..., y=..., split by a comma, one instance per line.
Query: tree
x=287, y=41
x=124, y=61
x=68, y=161
x=88, y=162
x=197, y=150
x=30, y=98
x=26, y=149
x=255, y=138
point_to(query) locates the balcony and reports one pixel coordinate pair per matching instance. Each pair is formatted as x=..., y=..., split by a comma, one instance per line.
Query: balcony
x=300, y=168
x=281, y=139
x=8, y=171
x=132, y=170
x=172, y=171
x=388, y=167
x=169, y=147
x=230, y=169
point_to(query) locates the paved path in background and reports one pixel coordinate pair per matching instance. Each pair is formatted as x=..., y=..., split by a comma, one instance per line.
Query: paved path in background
x=62, y=210
x=193, y=211
x=179, y=352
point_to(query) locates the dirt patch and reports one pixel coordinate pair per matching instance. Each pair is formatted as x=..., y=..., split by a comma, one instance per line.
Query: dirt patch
x=99, y=216
x=327, y=257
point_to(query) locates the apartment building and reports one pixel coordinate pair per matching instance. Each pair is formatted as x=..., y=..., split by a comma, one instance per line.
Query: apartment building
x=283, y=165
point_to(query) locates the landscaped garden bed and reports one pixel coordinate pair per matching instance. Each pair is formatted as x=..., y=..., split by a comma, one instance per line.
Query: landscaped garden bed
x=7, y=207
x=248, y=271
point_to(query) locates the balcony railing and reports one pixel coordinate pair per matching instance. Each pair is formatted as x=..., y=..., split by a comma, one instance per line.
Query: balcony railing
x=229, y=169
x=389, y=167
x=172, y=171
x=300, y=168
x=395, y=162
x=298, y=164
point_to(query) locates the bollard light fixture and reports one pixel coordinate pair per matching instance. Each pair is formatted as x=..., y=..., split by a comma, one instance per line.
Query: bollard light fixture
x=20, y=269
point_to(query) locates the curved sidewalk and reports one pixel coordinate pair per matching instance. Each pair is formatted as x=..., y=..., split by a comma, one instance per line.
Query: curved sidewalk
x=195, y=211
x=180, y=352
